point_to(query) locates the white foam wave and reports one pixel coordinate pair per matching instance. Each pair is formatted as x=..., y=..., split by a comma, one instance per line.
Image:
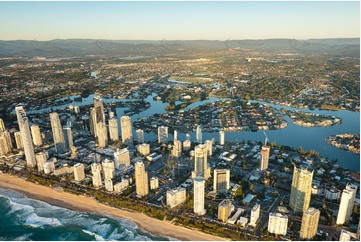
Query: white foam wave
x=37, y=221
x=36, y=213
x=96, y=236
x=23, y=237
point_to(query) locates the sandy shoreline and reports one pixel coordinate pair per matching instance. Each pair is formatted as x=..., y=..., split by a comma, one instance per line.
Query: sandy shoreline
x=85, y=204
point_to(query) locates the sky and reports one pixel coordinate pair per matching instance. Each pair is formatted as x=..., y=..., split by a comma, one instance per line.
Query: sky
x=178, y=20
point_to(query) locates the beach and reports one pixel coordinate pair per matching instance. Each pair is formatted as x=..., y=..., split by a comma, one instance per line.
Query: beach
x=87, y=204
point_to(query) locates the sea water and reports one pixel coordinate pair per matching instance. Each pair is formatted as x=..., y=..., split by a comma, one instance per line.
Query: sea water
x=23, y=218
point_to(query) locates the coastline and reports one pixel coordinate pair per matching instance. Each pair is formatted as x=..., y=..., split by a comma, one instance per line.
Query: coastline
x=86, y=204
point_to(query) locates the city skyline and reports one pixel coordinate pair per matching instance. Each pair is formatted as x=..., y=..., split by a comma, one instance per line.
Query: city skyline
x=201, y=121
x=179, y=20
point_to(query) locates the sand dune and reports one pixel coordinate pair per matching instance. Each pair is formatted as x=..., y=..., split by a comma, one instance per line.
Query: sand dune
x=82, y=203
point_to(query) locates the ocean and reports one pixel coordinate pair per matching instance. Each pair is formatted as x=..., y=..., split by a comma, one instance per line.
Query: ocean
x=23, y=218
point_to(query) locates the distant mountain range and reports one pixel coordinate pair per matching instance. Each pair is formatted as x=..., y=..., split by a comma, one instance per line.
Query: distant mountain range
x=82, y=47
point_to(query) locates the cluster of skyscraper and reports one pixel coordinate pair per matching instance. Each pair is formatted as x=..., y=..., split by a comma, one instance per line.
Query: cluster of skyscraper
x=104, y=172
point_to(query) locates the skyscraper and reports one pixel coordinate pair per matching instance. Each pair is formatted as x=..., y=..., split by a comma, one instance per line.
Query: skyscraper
x=141, y=179
x=102, y=135
x=309, y=223
x=68, y=137
x=177, y=148
x=79, y=172
x=111, y=115
x=201, y=168
x=122, y=158
x=35, y=132
x=41, y=159
x=108, y=169
x=140, y=136
x=301, y=189
x=18, y=140
x=346, y=204
x=154, y=183
x=99, y=110
x=199, y=134
x=277, y=223
x=162, y=134
x=187, y=143
x=93, y=122
x=26, y=136
x=198, y=196
x=221, y=180
x=175, y=135
x=58, y=134
x=221, y=137
x=264, y=157
x=255, y=212
x=113, y=129
x=209, y=145
x=5, y=142
x=144, y=149
x=2, y=125
x=96, y=172
x=126, y=125
x=109, y=185
x=224, y=210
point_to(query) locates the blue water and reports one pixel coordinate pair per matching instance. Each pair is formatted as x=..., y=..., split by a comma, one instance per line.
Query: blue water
x=23, y=218
x=293, y=135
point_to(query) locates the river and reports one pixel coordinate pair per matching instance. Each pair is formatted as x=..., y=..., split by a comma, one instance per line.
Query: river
x=293, y=135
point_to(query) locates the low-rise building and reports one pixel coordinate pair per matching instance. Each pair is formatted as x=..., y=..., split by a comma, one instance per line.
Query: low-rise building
x=176, y=196
x=277, y=223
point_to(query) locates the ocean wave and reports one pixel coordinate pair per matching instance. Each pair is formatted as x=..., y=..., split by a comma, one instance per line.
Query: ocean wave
x=37, y=221
x=37, y=214
x=96, y=236
x=23, y=237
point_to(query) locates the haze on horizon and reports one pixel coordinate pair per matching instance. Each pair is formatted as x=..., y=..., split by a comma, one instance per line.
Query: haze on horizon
x=179, y=20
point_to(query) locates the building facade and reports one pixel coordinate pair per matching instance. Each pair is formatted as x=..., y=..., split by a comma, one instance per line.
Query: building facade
x=277, y=223
x=113, y=129
x=79, y=173
x=102, y=135
x=140, y=136
x=221, y=137
x=224, y=210
x=201, y=168
x=309, y=224
x=26, y=136
x=41, y=159
x=209, y=145
x=154, y=183
x=96, y=175
x=176, y=196
x=18, y=140
x=144, y=149
x=141, y=179
x=126, y=126
x=221, y=178
x=108, y=169
x=199, y=134
x=346, y=204
x=255, y=212
x=122, y=158
x=301, y=189
x=68, y=138
x=265, y=150
x=198, y=196
x=162, y=134
x=58, y=134
x=36, y=134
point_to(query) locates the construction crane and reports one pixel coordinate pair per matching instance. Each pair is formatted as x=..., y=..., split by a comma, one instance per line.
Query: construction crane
x=266, y=139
